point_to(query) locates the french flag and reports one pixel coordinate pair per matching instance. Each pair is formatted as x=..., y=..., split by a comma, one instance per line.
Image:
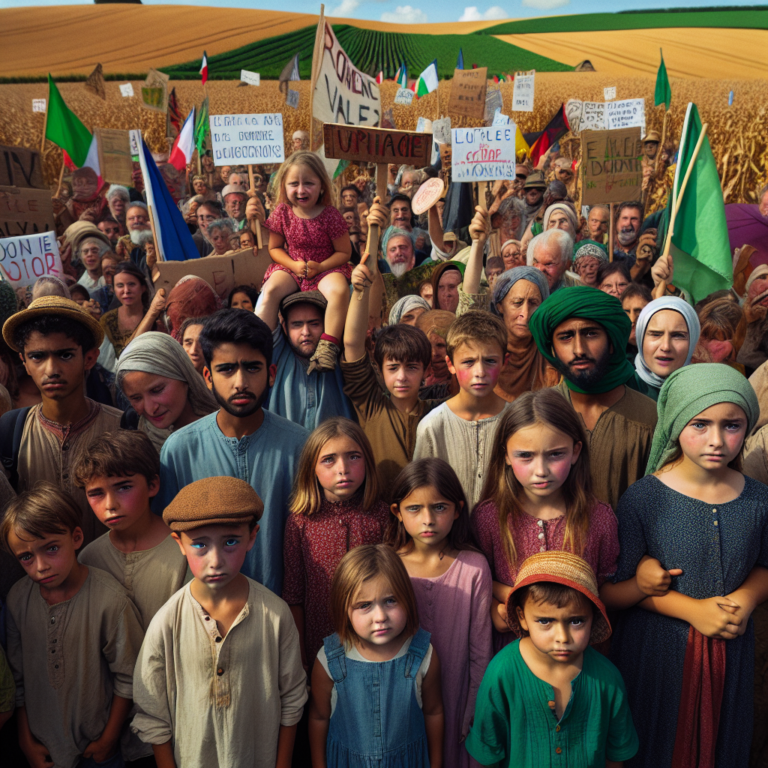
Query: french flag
x=184, y=146
x=380, y=78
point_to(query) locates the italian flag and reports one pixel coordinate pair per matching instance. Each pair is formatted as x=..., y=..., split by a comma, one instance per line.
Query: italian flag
x=427, y=81
x=65, y=129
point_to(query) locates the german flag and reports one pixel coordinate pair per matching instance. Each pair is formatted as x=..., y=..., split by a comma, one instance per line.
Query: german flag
x=541, y=141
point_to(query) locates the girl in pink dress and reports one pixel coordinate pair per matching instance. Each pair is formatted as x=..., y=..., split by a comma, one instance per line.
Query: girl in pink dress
x=538, y=496
x=453, y=586
x=309, y=243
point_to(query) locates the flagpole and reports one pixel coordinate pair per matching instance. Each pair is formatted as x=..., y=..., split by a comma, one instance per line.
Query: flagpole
x=317, y=53
x=663, y=137
x=45, y=121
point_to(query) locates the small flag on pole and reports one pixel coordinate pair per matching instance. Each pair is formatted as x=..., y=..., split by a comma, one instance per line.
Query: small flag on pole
x=460, y=60
x=290, y=73
x=663, y=93
x=380, y=78
x=201, y=127
x=401, y=78
x=184, y=146
x=427, y=81
x=204, y=68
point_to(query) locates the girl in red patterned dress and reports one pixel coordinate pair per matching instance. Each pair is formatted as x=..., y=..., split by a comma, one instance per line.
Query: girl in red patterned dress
x=335, y=507
x=309, y=243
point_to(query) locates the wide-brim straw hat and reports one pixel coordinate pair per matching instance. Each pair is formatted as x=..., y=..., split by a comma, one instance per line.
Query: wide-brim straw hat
x=561, y=567
x=52, y=305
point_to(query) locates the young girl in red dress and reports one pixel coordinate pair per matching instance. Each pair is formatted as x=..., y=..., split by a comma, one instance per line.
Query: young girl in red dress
x=309, y=243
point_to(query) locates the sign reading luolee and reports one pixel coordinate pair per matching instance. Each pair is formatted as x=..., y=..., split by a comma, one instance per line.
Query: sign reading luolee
x=483, y=154
x=247, y=139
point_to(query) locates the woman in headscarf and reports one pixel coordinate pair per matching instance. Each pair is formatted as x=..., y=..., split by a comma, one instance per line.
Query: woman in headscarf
x=162, y=386
x=688, y=655
x=588, y=256
x=190, y=297
x=512, y=254
x=446, y=279
x=557, y=215
x=667, y=332
x=517, y=294
x=408, y=310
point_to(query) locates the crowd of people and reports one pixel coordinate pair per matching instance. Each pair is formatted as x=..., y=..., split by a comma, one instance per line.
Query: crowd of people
x=494, y=494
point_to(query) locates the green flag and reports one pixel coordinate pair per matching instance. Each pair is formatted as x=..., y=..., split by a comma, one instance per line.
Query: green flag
x=701, y=252
x=663, y=93
x=65, y=129
x=201, y=127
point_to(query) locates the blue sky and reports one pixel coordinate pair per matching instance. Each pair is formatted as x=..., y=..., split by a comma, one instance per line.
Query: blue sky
x=422, y=11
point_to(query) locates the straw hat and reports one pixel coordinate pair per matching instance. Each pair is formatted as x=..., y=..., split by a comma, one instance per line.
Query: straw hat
x=564, y=568
x=52, y=305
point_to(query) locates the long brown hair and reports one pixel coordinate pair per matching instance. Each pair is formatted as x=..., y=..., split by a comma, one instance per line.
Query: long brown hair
x=548, y=407
x=307, y=496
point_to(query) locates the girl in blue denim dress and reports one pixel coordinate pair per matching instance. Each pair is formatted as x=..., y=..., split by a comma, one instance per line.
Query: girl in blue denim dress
x=376, y=697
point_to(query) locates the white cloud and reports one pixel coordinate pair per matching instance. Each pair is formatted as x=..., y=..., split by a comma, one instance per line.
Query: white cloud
x=545, y=5
x=472, y=13
x=405, y=14
x=346, y=9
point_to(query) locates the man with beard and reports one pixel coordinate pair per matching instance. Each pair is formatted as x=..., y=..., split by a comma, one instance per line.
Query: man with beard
x=398, y=246
x=401, y=216
x=137, y=221
x=630, y=246
x=241, y=439
x=583, y=332
x=305, y=398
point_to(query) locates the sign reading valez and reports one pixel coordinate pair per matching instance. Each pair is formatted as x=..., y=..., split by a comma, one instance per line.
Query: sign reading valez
x=247, y=139
x=376, y=145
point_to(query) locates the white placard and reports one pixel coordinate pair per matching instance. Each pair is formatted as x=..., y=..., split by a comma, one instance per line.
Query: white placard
x=609, y=94
x=592, y=116
x=424, y=125
x=38, y=105
x=247, y=138
x=126, y=90
x=24, y=259
x=135, y=139
x=292, y=99
x=629, y=113
x=252, y=78
x=404, y=96
x=441, y=130
x=500, y=119
x=483, y=154
x=522, y=94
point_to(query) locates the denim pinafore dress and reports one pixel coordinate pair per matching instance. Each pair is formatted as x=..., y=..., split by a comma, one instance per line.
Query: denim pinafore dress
x=377, y=722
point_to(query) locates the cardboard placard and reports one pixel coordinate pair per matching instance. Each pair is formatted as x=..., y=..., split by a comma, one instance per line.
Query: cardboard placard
x=250, y=78
x=24, y=259
x=376, y=145
x=483, y=154
x=39, y=105
x=468, y=89
x=404, y=96
x=115, y=158
x=126, y=90
x=154, y=92
x=25, y=211
x=611, y=166
x=247, y=138
x=522, y=94
x=629, y=113
x=21, y=167
x=427, y=195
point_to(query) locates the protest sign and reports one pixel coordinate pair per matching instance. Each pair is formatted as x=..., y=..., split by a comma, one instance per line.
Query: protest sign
x=611, y=166
x=427, y=195
x=24, y=259
x=629, y=113
x=441, y=130
x=500, y=119
x=38, y=105
x=247, y=139
x=493, y=102
x=609, y=94
x=522, y=93
x=483, y=154
x=376, y=145
x=115, y=160
x=292, y=98
x=404, y=96
x=250, y=78
x=21, y=167
x=135, y=139
x=154, y=92
x=25, y=211
x=126, y=90
x=592, y=116
x=468, y=89
x=423, y=125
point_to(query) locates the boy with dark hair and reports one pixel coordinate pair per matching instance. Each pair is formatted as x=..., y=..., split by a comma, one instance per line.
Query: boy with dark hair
x=73, y=638
x=58, y=342
x=461, y=430
x=219, y=680
x=555, y=606
x=241, y=439
x=402, y=354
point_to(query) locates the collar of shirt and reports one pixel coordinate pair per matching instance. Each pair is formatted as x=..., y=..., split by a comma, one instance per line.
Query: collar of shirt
x=65, y=431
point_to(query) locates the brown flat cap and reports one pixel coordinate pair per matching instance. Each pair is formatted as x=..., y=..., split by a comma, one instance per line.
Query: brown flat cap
x=213, y=501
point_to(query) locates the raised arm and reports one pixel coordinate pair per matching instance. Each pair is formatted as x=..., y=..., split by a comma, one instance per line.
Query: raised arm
x=478, y=230
x=356, y=326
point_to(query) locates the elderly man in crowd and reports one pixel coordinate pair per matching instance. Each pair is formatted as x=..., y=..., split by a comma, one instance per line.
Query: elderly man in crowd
x=235, y=200
x=551, y=253
x=118, y=200
x=137, y=221
x=583, y=332
x=399, y=250
x=598, y=222
x=300, y=141
x=630, y=246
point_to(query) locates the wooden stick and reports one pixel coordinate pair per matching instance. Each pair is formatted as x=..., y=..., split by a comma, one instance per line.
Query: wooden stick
x=61, y=179
x=259, y=239
x=610, y=232
x=45, y=122
x=317, y=54
x=158, y=250
x=372, y=246
x=661, y=145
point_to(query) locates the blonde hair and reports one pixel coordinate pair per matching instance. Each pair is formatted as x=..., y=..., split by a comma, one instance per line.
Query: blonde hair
x=476, y=326
x=315, y=164
x=360, y=565
x=307, y=496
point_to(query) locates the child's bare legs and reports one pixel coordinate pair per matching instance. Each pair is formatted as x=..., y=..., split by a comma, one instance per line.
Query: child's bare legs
x=335, y=289
x=279, y=285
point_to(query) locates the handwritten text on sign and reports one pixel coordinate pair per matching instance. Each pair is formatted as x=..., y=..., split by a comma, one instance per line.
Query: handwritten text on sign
x=376, y=145
x=625, y=114
x=247, y=139
x=611, y=165
x=522, y=93
x=483, y=154
x=24, y=259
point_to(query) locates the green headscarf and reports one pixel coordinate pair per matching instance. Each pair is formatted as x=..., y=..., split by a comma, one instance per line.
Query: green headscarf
x=686, y=393
x=590, y=304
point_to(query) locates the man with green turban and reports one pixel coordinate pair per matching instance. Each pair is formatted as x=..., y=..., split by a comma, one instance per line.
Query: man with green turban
x=583, y=332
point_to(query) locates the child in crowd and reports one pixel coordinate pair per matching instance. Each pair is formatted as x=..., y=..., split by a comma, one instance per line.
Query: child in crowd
x=452, y=583
x=336, y=506
x=309, y=243
x=538, y=497
x=120, y=473
x=219, y=680
x=694, y=550
x=438, y=381
x=401, y=354
x=550, y=699
x=73, y=638
x=462, y=429
x=376, y=682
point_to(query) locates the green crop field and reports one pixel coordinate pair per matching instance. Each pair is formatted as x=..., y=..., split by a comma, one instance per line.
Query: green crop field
x=371, y=52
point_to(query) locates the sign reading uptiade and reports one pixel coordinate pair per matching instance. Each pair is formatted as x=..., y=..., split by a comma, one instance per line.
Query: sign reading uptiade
x=468, y=92
x=376, y=145
x=611, y=166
